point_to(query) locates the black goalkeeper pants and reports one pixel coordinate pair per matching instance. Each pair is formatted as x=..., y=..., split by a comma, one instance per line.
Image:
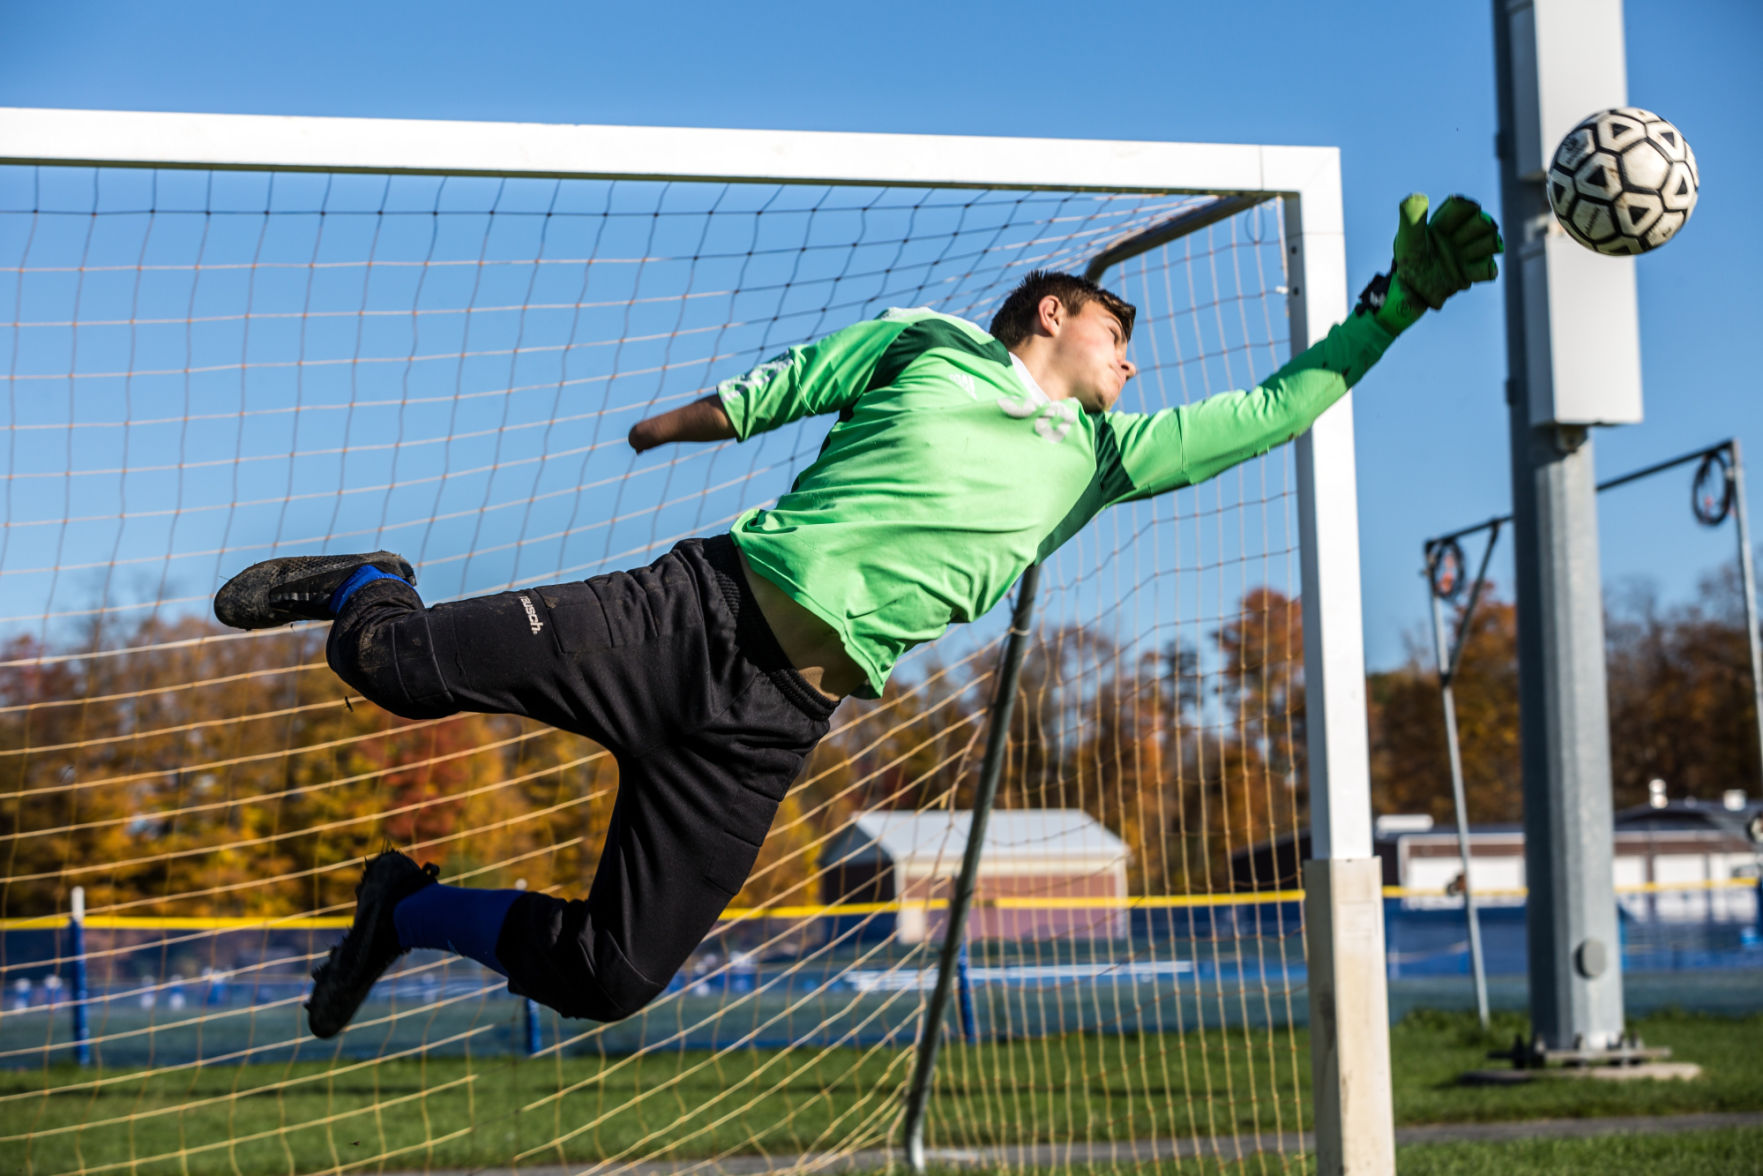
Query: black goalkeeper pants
x=671, y=668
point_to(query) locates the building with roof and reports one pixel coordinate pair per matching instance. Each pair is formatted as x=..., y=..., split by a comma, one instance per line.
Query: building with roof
x=1673, y=860
x=1044, y=855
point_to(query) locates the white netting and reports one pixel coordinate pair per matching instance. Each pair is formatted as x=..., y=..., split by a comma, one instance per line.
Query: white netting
x=205, y=369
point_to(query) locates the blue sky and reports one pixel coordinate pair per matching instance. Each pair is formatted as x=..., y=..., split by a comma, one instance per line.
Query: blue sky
x=1405, y=91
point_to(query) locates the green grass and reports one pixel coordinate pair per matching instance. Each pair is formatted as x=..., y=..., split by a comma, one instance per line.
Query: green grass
x=1729, y=1151
x=1429, y=1050
x=304, y=1116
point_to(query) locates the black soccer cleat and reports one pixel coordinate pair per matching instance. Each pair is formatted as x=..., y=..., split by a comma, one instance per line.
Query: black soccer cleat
x=297, y=588
x=342, y=982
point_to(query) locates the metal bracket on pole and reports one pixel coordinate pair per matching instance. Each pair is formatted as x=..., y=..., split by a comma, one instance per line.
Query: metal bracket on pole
x=1735, y=501
x=1443, y=569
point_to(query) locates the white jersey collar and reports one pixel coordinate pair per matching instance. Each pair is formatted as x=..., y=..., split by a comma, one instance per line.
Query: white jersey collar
x=1035, y=392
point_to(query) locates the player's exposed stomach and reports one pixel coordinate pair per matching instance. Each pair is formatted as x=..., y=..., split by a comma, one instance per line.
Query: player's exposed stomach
x=813, y=647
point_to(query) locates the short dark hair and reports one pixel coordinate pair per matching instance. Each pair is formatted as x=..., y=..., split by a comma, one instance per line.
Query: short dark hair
x=1015, y=320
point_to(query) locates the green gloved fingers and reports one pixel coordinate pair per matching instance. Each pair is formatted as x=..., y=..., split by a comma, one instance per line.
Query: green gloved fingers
x=1443, y=256
x=1411, y=243
x=1453, y=216
x=1473, y=237
x=1434, y=259
x=1476, y=244
x=1420, y=260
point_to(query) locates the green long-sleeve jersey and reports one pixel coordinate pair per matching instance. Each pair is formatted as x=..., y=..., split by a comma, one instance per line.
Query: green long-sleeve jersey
x=949, y=470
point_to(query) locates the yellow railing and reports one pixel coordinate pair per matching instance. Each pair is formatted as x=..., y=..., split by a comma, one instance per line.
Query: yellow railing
x=1629, y=888
x=822, y=911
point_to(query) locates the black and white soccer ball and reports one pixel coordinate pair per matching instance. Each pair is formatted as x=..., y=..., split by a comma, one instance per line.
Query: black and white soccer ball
x=1623, y=181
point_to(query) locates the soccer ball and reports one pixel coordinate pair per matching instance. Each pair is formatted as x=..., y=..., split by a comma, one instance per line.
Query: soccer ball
x=1623, y=181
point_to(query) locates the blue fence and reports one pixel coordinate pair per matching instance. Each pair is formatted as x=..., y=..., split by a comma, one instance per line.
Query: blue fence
x=1435, y=941
x=141, y=995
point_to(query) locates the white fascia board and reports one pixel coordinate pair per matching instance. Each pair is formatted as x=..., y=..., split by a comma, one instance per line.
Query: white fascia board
x=1450, y=838
x=929, y=865
x=434, y=147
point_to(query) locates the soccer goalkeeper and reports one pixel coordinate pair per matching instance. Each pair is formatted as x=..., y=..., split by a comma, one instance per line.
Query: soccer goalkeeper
x=958, y=458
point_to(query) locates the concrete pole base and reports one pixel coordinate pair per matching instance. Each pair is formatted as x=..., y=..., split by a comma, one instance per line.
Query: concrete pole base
x=1645, y=1072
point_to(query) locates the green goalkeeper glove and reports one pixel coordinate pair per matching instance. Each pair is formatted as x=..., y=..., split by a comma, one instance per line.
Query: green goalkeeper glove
x=1433, y=260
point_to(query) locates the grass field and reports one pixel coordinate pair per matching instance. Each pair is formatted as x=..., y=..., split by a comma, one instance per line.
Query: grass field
x=1736, y=1152
x=461, y=1113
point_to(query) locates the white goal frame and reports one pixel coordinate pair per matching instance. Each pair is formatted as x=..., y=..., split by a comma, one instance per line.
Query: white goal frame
x=1344, y=931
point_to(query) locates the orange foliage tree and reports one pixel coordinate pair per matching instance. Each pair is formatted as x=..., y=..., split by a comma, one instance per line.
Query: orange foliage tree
x=1680, y=700
x=1410, y=771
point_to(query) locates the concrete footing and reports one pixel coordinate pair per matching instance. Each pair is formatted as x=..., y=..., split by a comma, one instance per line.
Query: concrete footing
x=1654, y=1071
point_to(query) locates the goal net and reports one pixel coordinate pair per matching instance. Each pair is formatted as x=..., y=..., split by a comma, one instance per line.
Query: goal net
x=206, y=366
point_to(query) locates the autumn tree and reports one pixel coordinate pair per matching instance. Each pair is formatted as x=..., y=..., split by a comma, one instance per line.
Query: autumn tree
x=1681, y=701
x=1410, y=768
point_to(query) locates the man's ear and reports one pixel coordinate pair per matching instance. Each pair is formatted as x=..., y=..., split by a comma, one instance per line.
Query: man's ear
x=1050, y=315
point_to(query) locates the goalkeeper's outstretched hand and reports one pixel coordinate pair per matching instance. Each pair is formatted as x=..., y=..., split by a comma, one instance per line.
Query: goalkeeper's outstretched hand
x=1434, y=259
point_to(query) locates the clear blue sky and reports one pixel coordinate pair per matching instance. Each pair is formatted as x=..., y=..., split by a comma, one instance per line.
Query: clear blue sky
x=1404, y=90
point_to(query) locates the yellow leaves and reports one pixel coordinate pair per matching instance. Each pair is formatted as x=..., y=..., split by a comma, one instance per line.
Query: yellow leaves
x=202, y=773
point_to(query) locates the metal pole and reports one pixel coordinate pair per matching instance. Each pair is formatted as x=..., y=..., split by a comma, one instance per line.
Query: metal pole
x=1575, y=966
x=1748, y=578
x=76, y=933
x=1447, y=667
x=998, y=734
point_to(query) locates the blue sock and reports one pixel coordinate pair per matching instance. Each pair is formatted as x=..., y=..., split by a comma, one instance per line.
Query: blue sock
x=365, y=574
x=460, y=919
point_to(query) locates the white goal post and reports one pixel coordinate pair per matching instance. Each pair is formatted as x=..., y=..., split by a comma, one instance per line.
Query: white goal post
x=1348, y=1018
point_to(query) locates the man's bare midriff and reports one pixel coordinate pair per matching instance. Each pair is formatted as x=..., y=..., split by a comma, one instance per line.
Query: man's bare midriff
x=811, y=644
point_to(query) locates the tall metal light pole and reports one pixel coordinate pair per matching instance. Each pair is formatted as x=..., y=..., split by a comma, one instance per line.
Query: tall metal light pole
x=1573, y=351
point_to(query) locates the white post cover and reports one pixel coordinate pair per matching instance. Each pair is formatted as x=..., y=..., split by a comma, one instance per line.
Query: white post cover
x=1328, y=528
x=1343, y=904
x=1582, y=318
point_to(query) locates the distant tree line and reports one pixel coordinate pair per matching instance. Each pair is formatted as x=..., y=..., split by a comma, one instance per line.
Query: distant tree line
x=174, y=769
x=1680, y=706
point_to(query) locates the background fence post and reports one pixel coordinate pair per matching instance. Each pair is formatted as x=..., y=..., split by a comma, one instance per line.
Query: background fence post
x=76, y=934
x=533, y=1037
x=964, y=997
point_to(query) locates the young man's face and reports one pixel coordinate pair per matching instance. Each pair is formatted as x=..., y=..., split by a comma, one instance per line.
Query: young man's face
x=1089, y=350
